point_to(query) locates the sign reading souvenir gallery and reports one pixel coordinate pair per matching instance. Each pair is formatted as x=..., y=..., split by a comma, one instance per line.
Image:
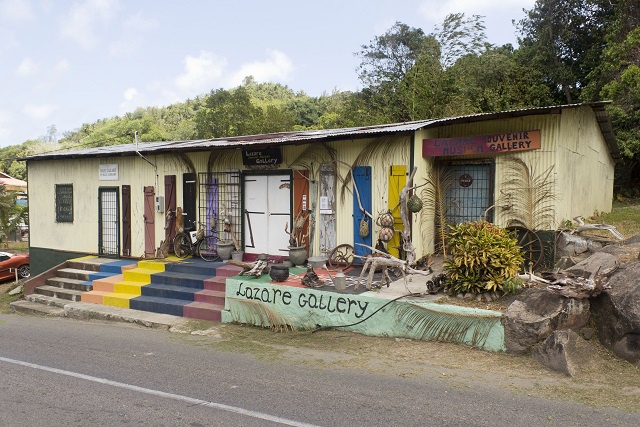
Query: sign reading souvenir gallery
x=482, y=145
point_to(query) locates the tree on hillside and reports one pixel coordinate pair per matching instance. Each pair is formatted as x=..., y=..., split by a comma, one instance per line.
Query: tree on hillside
x=404, y=71
x=565, y=39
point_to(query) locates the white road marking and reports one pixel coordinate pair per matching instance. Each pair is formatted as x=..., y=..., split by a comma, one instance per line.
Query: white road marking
x=178, y=397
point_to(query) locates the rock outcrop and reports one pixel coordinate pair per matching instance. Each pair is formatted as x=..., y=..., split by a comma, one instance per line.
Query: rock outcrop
x=616, y=313
x=536, y=314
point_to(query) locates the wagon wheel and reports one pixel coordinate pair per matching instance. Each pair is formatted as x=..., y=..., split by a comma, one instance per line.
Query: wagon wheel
x=342, y=256
x=531, y=245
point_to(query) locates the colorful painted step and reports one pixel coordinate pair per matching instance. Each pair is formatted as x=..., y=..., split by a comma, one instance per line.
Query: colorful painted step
x=204, y=311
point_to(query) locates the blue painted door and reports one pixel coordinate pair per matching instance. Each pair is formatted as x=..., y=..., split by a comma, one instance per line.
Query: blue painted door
x=361, y=180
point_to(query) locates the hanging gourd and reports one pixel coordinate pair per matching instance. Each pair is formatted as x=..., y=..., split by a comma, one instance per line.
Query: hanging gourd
x=414, y=204
x=364, y=227
x=386, y=234
x=385, y=219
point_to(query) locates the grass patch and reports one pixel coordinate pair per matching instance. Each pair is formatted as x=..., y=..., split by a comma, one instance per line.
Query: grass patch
x=624, y=215
x=5, y=298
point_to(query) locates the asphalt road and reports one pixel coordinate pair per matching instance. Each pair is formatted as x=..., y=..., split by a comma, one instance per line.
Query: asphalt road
x=62, y=372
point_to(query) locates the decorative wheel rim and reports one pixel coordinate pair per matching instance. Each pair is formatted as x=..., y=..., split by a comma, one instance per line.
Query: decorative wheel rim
x=532, y=248
x=341, y=256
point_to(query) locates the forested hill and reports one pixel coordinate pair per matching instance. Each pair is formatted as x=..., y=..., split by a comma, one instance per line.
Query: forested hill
x=568, y=51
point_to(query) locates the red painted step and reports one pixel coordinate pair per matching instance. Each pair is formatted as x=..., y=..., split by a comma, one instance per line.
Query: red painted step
x=210, y=297
x=203, y=311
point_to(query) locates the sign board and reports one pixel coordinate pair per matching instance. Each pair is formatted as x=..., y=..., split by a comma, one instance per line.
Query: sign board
x=108, y=172
x=64, y=202
x=262, y=157
x=482, y=145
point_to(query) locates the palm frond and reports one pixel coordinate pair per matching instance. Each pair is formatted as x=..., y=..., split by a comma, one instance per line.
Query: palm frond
x=530, y=195
x=314, y=154
x=439, y=181
x=220, y=160
x=258, y=313
x=377, y=148
x=431, y=324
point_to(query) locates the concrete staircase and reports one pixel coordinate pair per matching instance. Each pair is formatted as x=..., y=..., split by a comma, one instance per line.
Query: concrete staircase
x=67, y=285
x=188, y=288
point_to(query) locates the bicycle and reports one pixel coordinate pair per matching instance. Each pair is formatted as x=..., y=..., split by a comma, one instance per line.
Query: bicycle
x=191, y=242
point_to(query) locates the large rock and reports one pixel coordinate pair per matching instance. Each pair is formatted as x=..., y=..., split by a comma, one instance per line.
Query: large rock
x=626, y=252
x=563, y=351
x=572, y=244
x=616, y=313
x=536, y=313
x=598, y=262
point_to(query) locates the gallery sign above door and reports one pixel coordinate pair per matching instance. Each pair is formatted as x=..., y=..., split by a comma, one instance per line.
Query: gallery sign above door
x=483, y=145
x=262, y=157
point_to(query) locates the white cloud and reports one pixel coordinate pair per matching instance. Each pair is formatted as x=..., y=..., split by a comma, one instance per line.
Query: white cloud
x=39, y=112
x=61, y=66
x=16, y=10
x=277, y=67
x=27, y=68
x=200, y=73
x=80, y=23
x=131, y=36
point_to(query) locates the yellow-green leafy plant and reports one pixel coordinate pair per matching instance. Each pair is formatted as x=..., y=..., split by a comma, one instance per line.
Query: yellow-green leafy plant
x=483, y=257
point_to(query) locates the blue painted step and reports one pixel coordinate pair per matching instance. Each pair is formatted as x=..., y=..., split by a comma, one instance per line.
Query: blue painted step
x=179, y=279
x=101, y=275
x=115, y=267
x=159, y=305
x=169, y=291
x=194, y=267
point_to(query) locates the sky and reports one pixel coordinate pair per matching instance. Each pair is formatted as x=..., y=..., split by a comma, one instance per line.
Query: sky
x=65, y=63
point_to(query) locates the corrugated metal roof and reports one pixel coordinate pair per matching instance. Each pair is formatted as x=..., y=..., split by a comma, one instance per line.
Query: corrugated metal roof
x=326, y=135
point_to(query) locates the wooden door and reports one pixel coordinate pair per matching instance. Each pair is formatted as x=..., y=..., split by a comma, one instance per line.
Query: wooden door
x=149, y=222
x=170, y=208
x=397, y=181
x=362, y=182
x=268, y=210
x=301, y=200
x=327, y=220
x=189, y=198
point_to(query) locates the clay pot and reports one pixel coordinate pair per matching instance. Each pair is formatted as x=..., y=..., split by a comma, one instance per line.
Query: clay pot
x=279, y=273
x=224, y=250
x=297, y=254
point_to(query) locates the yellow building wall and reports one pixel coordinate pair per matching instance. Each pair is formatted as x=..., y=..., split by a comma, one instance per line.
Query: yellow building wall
x=82, y=234
x=572, y=147
x=585, y=168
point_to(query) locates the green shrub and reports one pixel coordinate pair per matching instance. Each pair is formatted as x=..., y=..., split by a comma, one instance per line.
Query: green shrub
x=483, y=257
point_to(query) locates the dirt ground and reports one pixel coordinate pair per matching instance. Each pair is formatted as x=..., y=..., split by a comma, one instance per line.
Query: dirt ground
x=606, y=381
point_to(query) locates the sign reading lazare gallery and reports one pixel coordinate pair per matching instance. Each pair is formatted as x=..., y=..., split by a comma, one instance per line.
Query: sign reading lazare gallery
x=484, y=144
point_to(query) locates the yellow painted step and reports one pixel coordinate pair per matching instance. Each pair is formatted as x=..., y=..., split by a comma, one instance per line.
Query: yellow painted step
x=118, y=300
x=156, y=266
x=128, y=287
x=139, y=275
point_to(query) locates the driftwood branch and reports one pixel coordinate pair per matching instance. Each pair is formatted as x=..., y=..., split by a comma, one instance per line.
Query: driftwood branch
x=256, y=268
x=385, y=261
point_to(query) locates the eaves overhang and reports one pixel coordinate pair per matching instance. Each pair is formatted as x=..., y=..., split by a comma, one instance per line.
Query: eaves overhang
x=320, y=136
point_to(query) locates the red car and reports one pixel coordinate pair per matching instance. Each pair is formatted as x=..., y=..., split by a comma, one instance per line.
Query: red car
x=9, y=263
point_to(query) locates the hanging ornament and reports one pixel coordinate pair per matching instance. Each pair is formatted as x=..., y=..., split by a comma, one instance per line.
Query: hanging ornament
x=386, y=234
x=414, y=204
